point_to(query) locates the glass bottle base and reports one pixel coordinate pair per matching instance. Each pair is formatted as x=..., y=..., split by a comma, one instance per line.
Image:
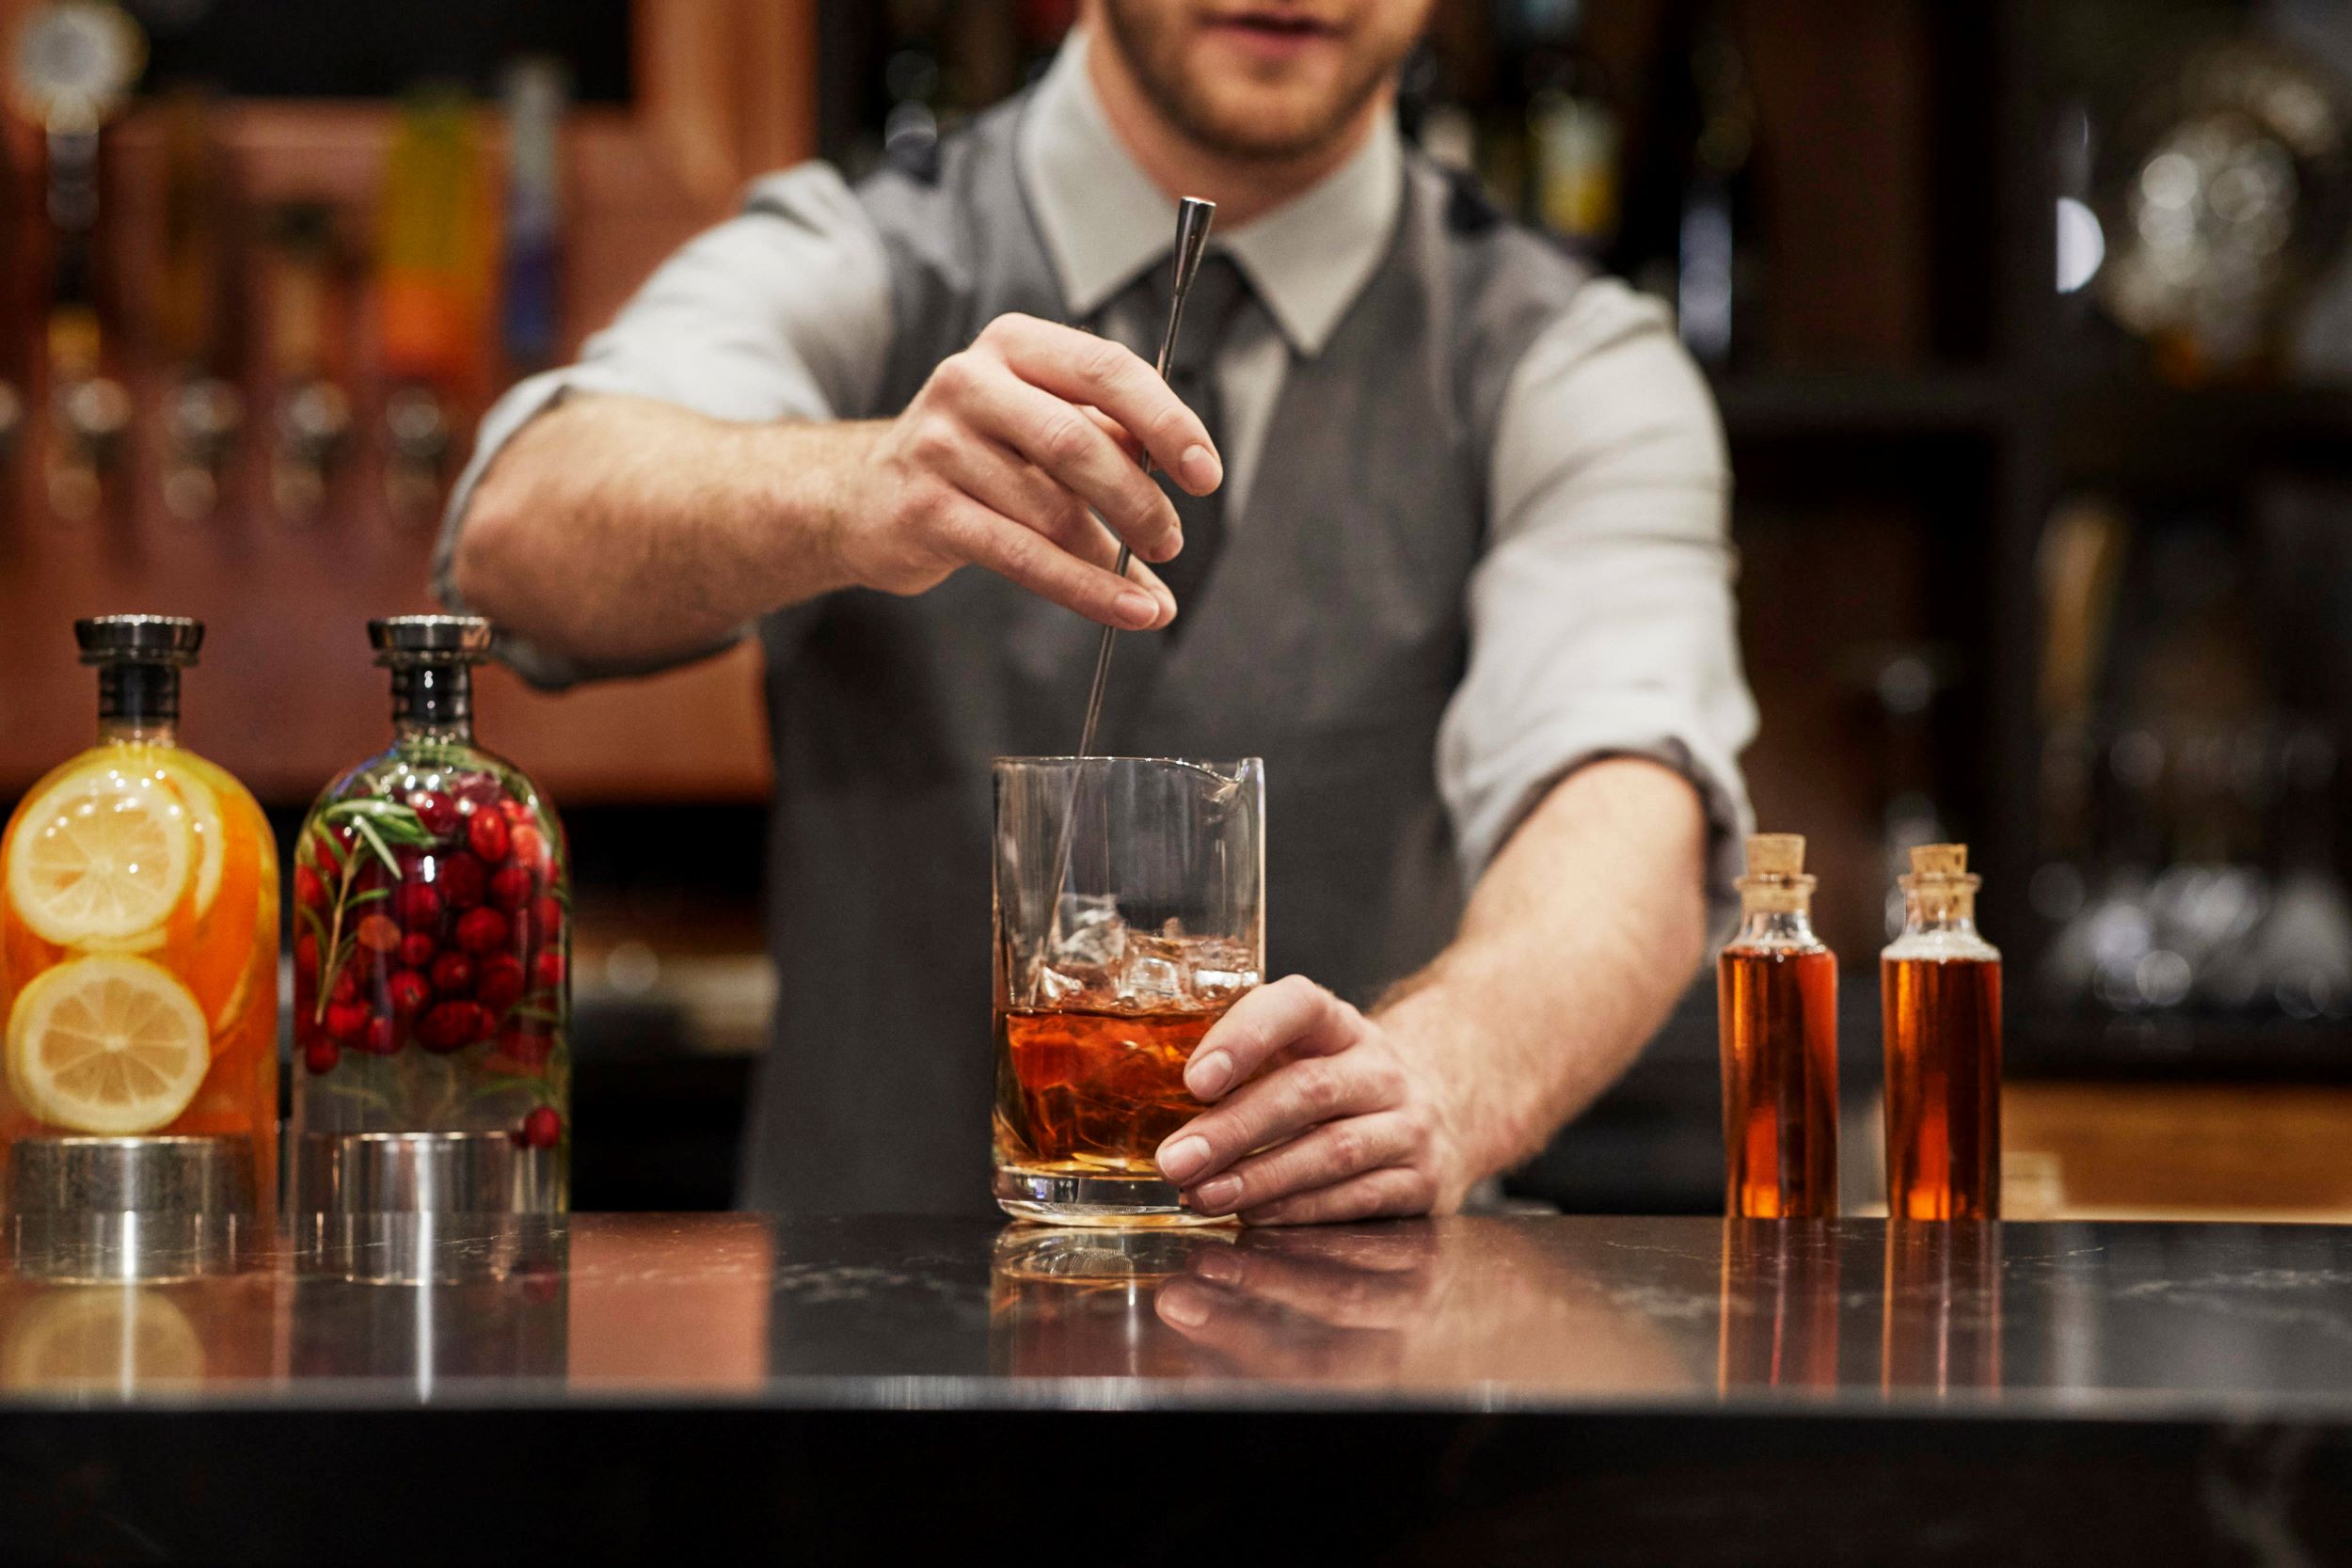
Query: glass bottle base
x=1101, y=1201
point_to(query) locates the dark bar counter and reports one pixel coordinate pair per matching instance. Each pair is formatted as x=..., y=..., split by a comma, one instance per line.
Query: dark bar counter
x=1471, y=1390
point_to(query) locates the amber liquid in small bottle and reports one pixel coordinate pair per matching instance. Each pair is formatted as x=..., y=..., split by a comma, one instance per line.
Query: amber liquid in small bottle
x=1776, y=1001
x=1940, y=988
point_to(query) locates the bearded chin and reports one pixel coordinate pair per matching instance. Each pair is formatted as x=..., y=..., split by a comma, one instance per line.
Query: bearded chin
x=1151, y=46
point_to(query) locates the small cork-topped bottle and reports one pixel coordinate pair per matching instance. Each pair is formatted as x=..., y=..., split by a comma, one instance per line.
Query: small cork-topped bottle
x=1776, y=999
x=1940, y=988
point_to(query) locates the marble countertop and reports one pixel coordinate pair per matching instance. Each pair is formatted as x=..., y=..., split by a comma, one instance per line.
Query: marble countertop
x=1474, y=1314
x=1487, y=1390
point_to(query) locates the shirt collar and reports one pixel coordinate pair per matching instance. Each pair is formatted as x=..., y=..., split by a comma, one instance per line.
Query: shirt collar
x=1103, y=221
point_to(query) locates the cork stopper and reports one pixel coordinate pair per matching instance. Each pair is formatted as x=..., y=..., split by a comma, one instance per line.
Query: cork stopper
x=1775, y=854
x=1939, y=860
x=1940, y=890
x=1775, y=883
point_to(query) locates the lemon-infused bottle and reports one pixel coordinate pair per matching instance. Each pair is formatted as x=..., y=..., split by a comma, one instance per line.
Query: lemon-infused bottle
x=138, y=961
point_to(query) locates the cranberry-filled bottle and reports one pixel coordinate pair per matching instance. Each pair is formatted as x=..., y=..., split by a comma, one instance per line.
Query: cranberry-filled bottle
x=1940, y=993
x=1776, y=999
x=432, y=954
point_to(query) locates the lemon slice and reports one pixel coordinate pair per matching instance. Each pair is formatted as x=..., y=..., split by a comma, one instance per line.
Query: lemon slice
x=109, y=1045
x=103, y=1338
x=202, y=804
x=100, y=856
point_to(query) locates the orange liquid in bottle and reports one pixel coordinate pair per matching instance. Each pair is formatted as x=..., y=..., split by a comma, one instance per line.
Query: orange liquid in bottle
x=182, y=997
x=1777, y=1011
x=1942, y=1021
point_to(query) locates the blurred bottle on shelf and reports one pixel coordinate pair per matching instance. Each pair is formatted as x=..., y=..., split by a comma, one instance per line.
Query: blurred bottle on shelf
x=2190, y=871
x=1716, y=276
x=75, y=62
x=433, y=283
x=203, y=411
x=1570, y=133
x=537, y=93
x=310, y=422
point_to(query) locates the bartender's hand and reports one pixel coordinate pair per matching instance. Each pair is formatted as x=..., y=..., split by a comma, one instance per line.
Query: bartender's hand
x=998, y=459
x=1346, y=1123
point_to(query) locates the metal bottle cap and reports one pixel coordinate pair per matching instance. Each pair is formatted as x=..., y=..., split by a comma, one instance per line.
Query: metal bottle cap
x=176, y=1175
x=439, y=639
x=129, y=1209
x=172, y=639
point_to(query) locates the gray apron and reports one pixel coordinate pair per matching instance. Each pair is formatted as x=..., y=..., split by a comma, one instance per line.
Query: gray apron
x=1327, y=640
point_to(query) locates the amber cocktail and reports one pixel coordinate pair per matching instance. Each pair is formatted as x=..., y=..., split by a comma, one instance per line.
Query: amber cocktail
x=1130, y=916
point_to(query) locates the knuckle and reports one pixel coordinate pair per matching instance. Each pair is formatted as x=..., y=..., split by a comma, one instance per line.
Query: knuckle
x=1065, y=439
x=955, y=375
x=1320, y=1087
x=932, y=441
x=1102, y=361
x=1346, y=1147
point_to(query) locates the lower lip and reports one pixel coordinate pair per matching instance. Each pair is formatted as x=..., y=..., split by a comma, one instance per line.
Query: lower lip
x=1269, y=43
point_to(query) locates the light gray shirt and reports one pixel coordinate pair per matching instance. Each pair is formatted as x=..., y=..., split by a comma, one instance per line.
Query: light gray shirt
x=1600, y=615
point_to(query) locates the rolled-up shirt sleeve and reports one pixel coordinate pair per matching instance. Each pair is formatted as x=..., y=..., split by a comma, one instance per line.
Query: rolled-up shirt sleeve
x=781, y=313
x=1601, y=618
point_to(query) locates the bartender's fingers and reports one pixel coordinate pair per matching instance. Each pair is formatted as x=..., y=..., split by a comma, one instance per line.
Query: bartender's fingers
x=1084, y=368
x=1282, y=1104
x=1027, y=559
x=1244, y=1336
x=1001, y=480
x=1065, y=441
x=1391, y=1193
x=1320, y=1156
x=1339, y=1293
x=1294, y=1015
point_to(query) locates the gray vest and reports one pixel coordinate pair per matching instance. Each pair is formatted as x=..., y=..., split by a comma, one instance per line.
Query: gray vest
x=1327, y=641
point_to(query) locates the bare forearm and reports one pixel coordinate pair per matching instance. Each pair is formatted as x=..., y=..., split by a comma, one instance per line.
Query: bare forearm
x=1579, y=938
x=633, y=532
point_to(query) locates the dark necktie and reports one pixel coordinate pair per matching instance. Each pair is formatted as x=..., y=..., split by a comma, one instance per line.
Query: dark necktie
x=1219, y=292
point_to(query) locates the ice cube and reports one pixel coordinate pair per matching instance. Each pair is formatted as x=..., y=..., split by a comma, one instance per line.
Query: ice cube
x=1221, y=969
x=1155, y=973
x=1083, y=953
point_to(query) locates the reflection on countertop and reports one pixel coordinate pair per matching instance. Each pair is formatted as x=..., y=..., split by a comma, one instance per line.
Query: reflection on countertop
x=1472, y=1313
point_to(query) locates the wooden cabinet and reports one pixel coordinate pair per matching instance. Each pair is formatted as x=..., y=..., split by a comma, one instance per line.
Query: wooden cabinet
x=723, y=89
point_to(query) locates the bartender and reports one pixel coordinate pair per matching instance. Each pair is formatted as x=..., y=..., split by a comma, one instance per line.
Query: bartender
x=1443, y=542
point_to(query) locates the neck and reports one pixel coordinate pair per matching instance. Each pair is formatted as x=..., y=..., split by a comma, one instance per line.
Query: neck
x=1244, y=189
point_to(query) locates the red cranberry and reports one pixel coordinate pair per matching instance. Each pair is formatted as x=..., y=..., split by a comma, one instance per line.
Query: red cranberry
x=479, y=790
x=436, y=811
x=542, y=1128
x=377, y=934
x=514, y=811
x=547, y=971
x=482, y=931
x=417, y=904
x=416, y=950
x=346, y=1021
x=306, y=956
x=322, y=1055
x=382, y=1037
x=310, y=888
x=452, y=975
x=489, y=835
x=512, y=888
x=408, y=992
x=346, y=989
x=547, y=917
x=451, y=1026
x=502, y=983
x=463, y=880
x=528, y=848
